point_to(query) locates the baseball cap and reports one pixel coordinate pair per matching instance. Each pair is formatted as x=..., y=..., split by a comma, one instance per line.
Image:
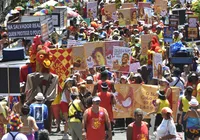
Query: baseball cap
x=96, y=98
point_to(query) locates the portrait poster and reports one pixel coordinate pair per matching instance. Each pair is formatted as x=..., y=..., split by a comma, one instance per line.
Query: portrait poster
x=192, y=21
x=133, y=16
x=71, y=43
x=168, y=34
x=134, y=67
x=145, y=40
x=95, y=54
x=121, y=58
x=128, y=5
x=192, y=33
x=141, y=6
x=92, y=10
x=110, y=11
x=124, y=17
x=78, y=57
x=38, y=114
x=160, y=6
x=157, y=65
x=148, y=15
x=109, y=51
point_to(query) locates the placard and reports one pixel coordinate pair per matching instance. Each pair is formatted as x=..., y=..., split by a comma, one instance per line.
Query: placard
x=110, y=11
x=168, y=34
x=134, y=67
x=127, y=5
x=157, y=65
x=124, y=17
x=23, y=29
x=121, y=58
x=78, y=57
x=141, y=6
x=192, y=21
x=192, y=33
x=160, y=6
x=145, y=40
x=92, y=10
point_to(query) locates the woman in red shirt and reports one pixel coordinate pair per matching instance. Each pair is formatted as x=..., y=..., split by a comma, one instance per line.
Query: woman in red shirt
x=138, y=130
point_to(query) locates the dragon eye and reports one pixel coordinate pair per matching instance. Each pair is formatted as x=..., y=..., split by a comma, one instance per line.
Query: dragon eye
x=41, y=56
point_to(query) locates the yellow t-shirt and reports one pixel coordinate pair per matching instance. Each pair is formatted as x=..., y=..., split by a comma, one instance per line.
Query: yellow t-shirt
x=72, y=110
x=163, y=103
x=198, y=93
x=185, y=103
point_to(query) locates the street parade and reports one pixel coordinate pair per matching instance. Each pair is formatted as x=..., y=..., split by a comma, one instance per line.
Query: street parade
x=100, y=69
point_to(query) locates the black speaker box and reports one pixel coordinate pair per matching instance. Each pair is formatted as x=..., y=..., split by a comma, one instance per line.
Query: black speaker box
x=181, y=13
x=14, y=80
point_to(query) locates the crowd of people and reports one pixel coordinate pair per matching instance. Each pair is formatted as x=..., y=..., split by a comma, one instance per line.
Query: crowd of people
x=88, y=115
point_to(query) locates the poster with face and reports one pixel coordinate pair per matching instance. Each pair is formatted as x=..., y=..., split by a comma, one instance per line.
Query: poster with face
x=157, y=65
x=78, y=57
x=38, y=114
x=168, y=34
x=95, y=54
x=124, y=17
x=128, y=5
x=160, y=6
x=192, y=21
x=141, y=6
x=148, y=15
x=145, y=40
x=133, y=16
x=110, y=11
x=109, y=51
x=92, y=10
x=121, y=58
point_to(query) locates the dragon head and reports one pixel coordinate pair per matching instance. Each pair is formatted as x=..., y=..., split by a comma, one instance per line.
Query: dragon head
x=44, y=58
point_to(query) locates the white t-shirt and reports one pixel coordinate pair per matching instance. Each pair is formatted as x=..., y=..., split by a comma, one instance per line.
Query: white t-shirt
x=180, y=83
x=19, y=136
x=64, y=98
x=166, y=127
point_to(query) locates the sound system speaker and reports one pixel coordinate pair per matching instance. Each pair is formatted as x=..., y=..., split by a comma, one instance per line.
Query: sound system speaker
x=13, y=78
x=182, y=15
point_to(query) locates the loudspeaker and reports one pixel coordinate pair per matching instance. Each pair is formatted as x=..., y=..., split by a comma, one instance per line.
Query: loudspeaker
x=14, y=80
x=181, y=13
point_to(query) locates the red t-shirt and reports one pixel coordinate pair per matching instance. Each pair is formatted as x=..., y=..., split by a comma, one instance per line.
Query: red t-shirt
x=25, y=70
x=140, y=132
x=106, y=98
x=95, y=125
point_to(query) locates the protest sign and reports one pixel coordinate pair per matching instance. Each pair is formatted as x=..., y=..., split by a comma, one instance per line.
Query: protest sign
x=168, y=34
x=121, y=58
x=134, y=67
x=132, y=96
x=44, y=31
x=148, y=15
x=192, y=21
x=79, y=61
x=145, y=40
x=24, y=29
x=133, y=16
x=192, y=33
x=110, y=11
x=141, y=6
x=157, y=65
x=160, y=6
x=71, y=43
x=174, y=21
x=124, y=17
x=92, y=10
x=109, y=51
x=95, y=54
x=127, y=5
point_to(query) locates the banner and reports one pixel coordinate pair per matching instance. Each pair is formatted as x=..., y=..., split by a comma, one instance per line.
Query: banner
x=110, y=11
x=92, y=10
x=23, y=29
x=121, y=58
x=127, y=5
x=157, y=65
x=109, y=51
x=78, y=57
x=95, y=54
x=145, y=40
x=132, y=96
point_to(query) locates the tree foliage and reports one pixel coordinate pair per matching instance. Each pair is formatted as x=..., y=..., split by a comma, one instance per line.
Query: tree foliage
x=196, y=7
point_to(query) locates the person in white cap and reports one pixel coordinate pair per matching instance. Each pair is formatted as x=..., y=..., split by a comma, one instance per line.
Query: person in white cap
x=39, y=111
x=95, y=122
x=192, y=118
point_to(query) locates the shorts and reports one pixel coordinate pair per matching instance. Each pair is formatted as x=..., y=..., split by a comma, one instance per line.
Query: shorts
x=64, y=107
x=56, y=110
x=192, y=133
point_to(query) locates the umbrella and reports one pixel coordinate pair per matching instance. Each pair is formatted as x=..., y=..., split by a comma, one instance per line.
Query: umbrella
x=39, y=14
x=14, y=12
x=19, y=8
